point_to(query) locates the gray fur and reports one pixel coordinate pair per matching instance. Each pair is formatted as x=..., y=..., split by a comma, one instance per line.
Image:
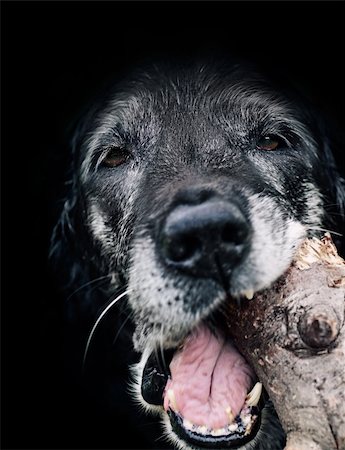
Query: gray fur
x=197, y=127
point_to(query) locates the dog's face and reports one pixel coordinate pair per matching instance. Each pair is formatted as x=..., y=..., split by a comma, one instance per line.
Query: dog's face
x=197, y=188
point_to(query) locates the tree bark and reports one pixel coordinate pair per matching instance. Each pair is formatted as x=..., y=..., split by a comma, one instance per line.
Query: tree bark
x=293, y=334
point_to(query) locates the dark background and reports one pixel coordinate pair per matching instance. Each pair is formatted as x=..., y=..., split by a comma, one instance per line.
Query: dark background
x=55, y=56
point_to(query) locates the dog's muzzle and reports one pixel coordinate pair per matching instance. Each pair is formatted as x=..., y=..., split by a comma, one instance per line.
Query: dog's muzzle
x=206, y=387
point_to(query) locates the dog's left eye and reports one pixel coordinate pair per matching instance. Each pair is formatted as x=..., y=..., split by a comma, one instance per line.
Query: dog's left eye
x=268, y=143
x=115, y=156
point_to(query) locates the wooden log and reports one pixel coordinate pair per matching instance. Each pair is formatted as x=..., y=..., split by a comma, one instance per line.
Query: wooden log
x=293, y=334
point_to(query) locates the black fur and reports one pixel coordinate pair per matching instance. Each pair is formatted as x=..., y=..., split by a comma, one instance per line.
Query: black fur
x=188, y=128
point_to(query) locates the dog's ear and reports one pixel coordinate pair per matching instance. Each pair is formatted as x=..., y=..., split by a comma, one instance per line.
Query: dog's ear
x=67, y=251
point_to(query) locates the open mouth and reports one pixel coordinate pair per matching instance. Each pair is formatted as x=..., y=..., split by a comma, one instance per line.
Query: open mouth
x=210, y=393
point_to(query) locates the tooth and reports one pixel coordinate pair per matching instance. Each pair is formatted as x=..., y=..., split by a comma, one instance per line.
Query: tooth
x=248, y=427
x=217, y=432
x=249, y=294
x=254, y=395
x=230, y=415
x=172, y=399
x=187, y=424
x=233, y=427
x=202, y=429
x=246, y=420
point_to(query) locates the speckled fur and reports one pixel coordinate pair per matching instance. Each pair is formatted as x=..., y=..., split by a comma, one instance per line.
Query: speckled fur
x=187, y=128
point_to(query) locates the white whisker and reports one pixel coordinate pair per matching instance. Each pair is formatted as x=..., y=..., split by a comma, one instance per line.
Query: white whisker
x=324, y=230
x=111, y=304
x=161, y=347
x=121, y=328
x=83, y=286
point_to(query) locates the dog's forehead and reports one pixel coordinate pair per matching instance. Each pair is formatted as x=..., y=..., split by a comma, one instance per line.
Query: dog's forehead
x=196, y=94
x=161, y=101
x=203, y=107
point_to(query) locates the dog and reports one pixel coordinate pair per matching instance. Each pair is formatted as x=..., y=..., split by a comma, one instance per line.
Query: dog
x=190, y=187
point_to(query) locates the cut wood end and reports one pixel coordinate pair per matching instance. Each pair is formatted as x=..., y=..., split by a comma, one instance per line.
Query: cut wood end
x=319, y=251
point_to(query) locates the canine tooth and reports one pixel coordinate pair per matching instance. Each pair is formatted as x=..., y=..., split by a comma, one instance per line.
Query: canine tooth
x=172, y=399
x=230, y=415
x=254, y=395
x=249, y=294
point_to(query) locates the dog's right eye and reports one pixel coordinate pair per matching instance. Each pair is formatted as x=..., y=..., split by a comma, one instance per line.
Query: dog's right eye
x=269, y=143
x=115, y=156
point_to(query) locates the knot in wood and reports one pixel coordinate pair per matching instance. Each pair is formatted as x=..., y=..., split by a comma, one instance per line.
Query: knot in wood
x=319, y=328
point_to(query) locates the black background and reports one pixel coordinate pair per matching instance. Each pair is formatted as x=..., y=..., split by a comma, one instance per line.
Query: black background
x=54, y=57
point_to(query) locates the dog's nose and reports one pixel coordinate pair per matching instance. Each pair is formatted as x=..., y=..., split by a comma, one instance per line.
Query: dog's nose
x=206, y=239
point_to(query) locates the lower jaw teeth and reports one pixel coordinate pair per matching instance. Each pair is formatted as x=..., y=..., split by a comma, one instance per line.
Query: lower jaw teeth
x=242, y=424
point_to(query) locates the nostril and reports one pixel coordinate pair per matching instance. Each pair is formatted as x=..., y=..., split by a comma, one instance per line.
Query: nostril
x=233, y=234
x=181, y=248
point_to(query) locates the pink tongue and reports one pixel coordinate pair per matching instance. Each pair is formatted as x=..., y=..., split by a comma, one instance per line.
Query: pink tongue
x=208, y=375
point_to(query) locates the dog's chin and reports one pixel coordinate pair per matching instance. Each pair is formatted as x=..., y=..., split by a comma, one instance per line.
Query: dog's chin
x=207, y=394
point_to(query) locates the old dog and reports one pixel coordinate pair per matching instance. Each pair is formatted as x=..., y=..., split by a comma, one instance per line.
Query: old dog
x=191, y=187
